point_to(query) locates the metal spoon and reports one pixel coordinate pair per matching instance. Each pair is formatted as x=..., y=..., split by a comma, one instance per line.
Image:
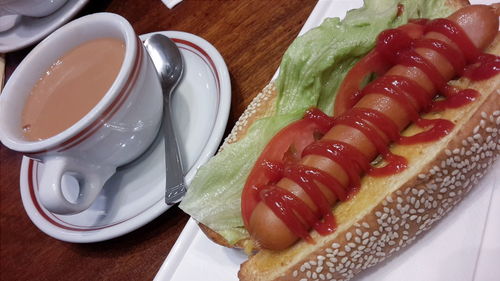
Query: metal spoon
x=169, y=65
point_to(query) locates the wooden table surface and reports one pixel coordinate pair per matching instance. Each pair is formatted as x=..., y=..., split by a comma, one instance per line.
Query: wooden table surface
x=251, y=35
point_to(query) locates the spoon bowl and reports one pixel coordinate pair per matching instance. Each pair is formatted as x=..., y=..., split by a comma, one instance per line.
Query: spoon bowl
x=167, y=59
x=169, y=65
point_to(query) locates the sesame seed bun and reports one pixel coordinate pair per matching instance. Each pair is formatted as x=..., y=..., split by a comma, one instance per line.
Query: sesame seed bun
x=388, y=213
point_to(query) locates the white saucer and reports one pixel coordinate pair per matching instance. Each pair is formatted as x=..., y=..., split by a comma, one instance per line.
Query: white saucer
x=135, y=195
x=29, y=30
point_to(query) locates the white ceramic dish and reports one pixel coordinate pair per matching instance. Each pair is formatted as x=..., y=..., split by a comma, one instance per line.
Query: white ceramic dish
x=463, y=246
x=135, y=195
x=29, y=30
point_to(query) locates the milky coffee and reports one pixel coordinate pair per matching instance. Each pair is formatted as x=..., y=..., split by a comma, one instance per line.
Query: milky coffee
x=71, y=87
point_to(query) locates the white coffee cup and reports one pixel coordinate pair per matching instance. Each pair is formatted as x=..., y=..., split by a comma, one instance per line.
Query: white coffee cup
x=116, y=131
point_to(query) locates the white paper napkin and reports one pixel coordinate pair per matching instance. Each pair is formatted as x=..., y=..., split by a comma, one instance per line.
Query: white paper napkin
x=171, y=3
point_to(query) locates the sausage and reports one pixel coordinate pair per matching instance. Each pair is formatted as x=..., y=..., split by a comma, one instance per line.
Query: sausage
x=479, y=22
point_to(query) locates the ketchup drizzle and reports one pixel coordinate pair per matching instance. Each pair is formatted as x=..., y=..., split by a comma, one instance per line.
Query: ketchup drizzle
x=378, y=120
x=349, y=158
x=304, y=177
x=411, y=58
x=317, y=175
x=274, y=170
x=390, y=42
x=454, y=57
x=396, y=47
x=285, y=205
x=436, y=129
x=395, y=164
x=455, y=100
x=320, y=118
x=485, y=66
x=407, y=93
x=456, y=34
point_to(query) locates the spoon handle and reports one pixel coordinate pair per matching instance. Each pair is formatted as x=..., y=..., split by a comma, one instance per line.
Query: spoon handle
x=174, y=186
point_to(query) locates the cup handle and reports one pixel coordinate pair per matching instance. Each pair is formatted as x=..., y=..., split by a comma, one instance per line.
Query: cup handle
x=90, y=178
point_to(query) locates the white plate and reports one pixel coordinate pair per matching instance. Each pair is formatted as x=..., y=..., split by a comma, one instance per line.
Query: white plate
x=463, y=246
x=135, y=195
x=29, y=30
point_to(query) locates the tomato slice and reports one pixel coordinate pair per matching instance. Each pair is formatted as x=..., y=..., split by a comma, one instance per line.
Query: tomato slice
x=349, y=92
x=374, y=62
x=284, y=147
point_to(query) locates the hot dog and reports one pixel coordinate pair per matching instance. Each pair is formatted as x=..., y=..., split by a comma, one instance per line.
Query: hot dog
x=380, y=215
x=479, y=23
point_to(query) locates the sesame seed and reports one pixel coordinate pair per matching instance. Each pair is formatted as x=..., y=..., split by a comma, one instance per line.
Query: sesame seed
x=348, y=236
